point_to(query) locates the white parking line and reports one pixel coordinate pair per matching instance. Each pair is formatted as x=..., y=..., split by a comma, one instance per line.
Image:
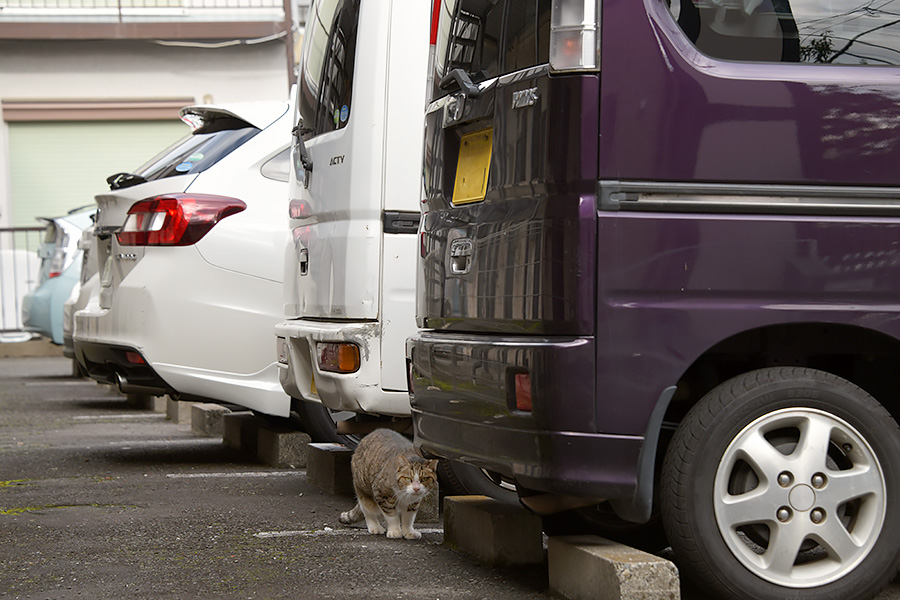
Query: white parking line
x=147, y=416
x=330, y=531
x=126, y=444
x=42, y=383
x=244, y=474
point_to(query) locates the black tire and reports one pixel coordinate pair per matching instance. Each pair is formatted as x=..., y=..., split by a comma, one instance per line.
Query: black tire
x=756, y=504
x=601, y=520
x=320, y=422
x=461, y=479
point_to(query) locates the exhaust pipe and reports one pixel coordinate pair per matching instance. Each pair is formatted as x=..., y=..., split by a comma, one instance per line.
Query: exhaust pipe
x=127, y=388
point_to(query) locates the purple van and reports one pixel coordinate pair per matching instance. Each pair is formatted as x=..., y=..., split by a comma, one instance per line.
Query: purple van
x=659, y=282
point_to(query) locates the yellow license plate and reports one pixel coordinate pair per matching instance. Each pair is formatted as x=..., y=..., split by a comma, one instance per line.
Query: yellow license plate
x=473, y=166
x=312, y=384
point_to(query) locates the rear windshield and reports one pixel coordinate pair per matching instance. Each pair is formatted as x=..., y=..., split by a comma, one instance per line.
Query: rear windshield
x=199, y=151
x=487, y=38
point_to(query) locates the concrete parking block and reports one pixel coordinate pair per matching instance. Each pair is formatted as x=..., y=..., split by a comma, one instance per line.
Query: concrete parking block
x=328, y=467
x=178, y=412
x=139, y=401
x=593, y=568
x=282, y=447
x=494, y=532
x=146, y=402
x=206, y=419
x=239, y=431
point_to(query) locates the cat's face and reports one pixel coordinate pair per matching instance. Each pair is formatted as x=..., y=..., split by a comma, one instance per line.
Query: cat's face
x=416, y=478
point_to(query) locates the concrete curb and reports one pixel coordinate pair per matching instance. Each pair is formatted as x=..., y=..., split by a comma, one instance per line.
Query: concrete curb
x=493, y=532
x=30, y=349
x=593, y=568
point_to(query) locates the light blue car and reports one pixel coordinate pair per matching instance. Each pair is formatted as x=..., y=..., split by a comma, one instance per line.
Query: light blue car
x=42, y=308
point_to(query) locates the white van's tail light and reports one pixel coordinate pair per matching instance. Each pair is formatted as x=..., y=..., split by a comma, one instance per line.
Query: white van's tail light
x=175, y=219
x=281, y=348
x=575, y=35
x=338, y=357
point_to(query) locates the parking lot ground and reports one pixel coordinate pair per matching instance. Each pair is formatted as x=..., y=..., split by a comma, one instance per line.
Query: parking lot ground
x=101, y=500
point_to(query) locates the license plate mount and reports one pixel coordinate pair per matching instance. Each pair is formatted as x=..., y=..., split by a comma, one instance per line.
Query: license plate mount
x=473, y=167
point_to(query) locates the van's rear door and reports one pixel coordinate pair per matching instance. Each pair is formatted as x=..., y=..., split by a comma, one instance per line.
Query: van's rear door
x=508, y=239
x=337, y=210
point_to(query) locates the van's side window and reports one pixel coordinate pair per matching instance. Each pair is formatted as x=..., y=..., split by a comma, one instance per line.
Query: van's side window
x=326, y=75
x=490, y=37
x=836, y=32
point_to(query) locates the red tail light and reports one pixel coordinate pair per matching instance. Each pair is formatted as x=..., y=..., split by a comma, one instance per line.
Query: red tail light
x=175, y=219
x=435, y=17
x=523, y=392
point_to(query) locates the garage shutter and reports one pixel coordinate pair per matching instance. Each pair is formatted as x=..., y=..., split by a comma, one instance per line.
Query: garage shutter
x=56, y=166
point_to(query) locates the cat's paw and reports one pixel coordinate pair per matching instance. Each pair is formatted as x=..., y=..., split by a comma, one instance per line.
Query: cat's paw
x=412, y=534
x=377, y=529
x=394, y=534
x=345, y=518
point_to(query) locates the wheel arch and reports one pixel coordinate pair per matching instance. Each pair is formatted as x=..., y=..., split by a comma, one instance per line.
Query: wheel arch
x=863, y=356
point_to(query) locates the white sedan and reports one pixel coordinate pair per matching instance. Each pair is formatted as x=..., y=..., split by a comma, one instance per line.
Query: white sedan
x=190, y=249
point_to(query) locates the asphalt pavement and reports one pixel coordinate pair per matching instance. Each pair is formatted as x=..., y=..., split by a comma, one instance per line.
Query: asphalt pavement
x=101, y=499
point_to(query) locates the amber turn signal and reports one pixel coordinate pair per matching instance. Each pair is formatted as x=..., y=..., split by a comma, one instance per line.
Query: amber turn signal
x=338, y=357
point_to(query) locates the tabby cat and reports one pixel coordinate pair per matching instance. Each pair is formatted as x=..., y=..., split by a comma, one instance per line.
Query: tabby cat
x=390, y=479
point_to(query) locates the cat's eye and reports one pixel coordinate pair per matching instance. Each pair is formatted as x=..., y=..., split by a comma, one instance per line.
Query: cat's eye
x=404, y=479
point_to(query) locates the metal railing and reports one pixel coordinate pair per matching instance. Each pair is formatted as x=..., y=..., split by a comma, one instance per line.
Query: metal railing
x=20, y=270
x=141, y=10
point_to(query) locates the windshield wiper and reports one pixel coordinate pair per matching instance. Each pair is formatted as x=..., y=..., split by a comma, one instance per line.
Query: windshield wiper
x=123, y=180
x=460, y=79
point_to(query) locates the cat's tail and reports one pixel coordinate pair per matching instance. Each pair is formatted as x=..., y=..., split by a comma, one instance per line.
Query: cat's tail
x=352, y=516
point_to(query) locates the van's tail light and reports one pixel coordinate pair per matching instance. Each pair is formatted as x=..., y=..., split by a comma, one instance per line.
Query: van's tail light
x=435, y=17
x=338, y=357
x=175, y=219
x=432, y=42
x=575, y=35
x=523, y=392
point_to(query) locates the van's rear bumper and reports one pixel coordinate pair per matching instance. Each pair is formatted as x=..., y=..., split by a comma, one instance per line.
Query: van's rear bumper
x=463, y=406
x=361, y=391
x=558, y=462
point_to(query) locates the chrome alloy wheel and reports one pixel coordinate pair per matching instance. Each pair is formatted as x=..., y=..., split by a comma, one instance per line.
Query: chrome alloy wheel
x=799, y=497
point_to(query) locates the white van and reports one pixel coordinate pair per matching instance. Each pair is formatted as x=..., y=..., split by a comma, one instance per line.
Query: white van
x=354, y=210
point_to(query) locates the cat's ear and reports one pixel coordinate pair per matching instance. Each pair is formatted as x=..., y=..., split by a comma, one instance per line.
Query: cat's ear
x=402, y=461
x=432, y=464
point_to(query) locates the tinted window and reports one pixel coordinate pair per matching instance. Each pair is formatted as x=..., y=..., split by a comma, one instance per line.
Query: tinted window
x=326, y=74
x=521, y=36
x=198, y=152
x=487, y=38
x=855, y=32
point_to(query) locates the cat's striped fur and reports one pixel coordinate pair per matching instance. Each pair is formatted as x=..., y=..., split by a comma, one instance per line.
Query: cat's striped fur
x=390, y=480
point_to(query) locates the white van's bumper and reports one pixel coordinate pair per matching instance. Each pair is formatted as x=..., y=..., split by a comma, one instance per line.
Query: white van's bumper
x=361, y=391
